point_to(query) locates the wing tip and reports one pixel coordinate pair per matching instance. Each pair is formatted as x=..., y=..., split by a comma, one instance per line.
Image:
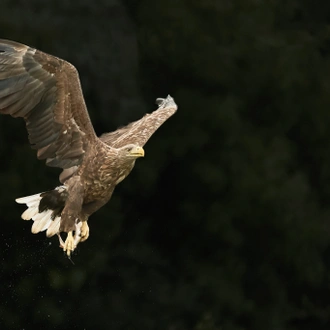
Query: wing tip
x=168, y=102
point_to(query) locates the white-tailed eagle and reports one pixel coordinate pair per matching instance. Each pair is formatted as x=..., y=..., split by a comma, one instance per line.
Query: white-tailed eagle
x=46, y=92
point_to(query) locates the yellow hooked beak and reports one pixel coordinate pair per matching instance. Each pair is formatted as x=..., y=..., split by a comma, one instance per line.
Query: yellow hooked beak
x=137, y=152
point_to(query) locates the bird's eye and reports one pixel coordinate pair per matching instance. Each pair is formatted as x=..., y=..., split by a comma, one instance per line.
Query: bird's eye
x=129, y=149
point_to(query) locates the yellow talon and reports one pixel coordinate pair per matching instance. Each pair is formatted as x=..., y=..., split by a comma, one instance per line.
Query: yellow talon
x=69, y=244
x=84, y=231
x=81, y=233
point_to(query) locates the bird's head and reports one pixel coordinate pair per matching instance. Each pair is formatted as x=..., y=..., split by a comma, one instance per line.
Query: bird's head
x=131, y=151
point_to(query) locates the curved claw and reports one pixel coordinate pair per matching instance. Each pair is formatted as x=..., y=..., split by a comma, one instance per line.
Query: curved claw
x=61, y=240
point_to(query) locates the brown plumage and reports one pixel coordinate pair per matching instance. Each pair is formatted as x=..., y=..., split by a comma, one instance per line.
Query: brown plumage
x=46, y=92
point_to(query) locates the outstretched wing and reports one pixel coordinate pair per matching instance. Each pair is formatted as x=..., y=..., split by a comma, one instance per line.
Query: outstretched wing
x=139, y=132
x=46, y=92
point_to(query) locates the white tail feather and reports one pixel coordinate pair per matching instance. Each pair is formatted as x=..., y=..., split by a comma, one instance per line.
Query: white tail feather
x=54, y=227
x=29, y=200
x=43, y=220
x=30, y=212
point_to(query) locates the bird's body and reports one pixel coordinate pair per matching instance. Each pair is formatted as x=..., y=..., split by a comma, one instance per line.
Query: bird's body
x=46, y=92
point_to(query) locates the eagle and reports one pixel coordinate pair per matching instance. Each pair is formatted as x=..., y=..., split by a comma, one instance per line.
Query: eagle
x=46, y=92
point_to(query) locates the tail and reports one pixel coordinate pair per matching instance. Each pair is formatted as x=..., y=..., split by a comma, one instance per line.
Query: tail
x=45, y=210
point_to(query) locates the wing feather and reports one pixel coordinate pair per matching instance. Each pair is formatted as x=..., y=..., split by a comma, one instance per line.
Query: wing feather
x=139, y=132
x=46, y=92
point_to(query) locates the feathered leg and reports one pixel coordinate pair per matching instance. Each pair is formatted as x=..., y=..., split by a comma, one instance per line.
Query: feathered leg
x=70, y=215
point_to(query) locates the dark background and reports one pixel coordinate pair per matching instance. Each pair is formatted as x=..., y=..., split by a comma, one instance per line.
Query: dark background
x=224, y=225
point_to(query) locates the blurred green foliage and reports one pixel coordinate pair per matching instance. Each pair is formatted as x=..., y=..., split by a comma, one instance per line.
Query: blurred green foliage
x=225, y=224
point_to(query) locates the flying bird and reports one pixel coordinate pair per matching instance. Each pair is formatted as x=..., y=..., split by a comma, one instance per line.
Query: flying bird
x=46, y=92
